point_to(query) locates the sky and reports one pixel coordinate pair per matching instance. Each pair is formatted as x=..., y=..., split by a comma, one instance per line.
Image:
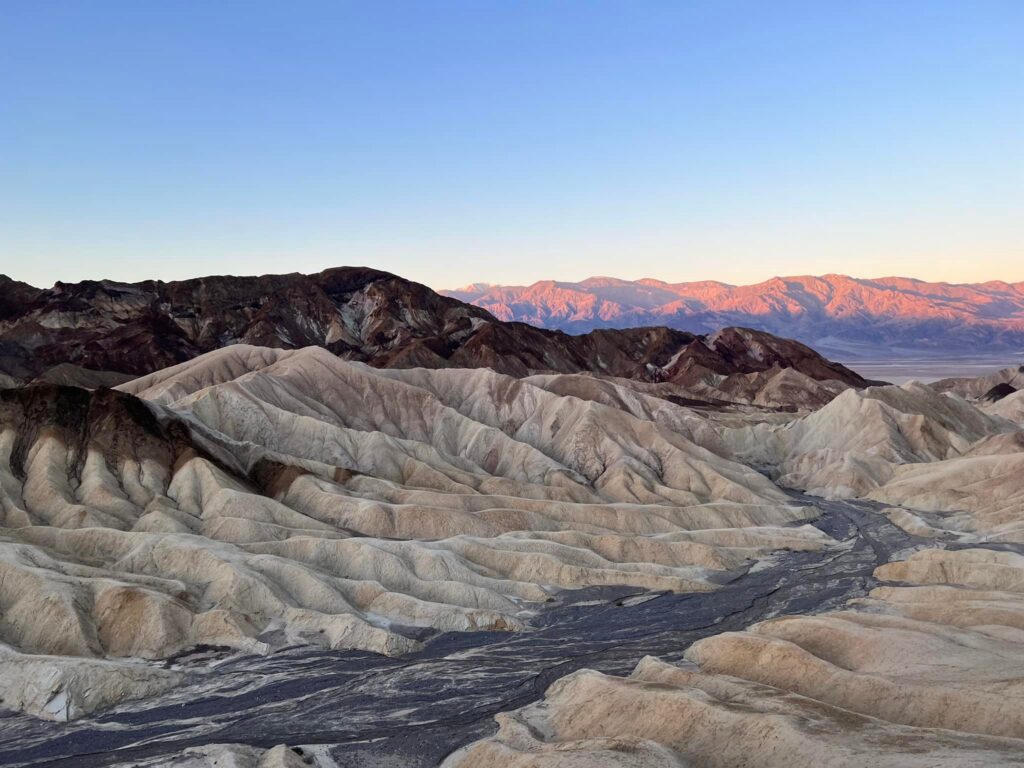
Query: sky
x=509, y=142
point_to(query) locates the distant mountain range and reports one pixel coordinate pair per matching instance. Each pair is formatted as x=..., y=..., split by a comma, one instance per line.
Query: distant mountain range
x=839, y=315
x=101, y=332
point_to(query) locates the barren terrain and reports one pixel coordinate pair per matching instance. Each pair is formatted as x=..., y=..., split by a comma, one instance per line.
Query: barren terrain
x=742, y=553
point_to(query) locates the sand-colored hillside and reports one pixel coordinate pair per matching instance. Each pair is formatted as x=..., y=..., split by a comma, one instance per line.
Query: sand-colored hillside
x=254, y=497
x=935, y=454
x=926, y=671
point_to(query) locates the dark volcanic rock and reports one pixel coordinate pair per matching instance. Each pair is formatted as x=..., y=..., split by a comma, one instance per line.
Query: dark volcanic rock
x=998, y=392
x=119, y=425
x=357, y=313
x=76, y=376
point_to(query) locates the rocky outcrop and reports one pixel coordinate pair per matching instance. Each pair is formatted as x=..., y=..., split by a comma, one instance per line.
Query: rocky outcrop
x=990, y=388
x=998, y=392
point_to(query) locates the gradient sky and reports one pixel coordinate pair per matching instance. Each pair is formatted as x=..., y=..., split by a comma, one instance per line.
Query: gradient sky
x=512, y=141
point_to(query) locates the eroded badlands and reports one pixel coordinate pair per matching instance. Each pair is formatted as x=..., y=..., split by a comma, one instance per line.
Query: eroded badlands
x=253, y=500
x=927, y=670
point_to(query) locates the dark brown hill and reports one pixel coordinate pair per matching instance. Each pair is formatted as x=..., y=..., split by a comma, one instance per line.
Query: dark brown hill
x=359, y=314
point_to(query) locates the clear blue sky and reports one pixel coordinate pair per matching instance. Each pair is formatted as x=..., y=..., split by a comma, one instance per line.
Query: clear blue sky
x=512, y=141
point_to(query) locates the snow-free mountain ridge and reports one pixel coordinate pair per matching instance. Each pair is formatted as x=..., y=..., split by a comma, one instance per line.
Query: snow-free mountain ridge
x=836, y=314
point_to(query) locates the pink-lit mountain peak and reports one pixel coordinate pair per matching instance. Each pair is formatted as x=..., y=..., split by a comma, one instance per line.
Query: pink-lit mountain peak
x=833, y=311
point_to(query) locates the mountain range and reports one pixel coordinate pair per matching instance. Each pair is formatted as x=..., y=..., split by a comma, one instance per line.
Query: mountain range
x=842, y=316
x=102, y=332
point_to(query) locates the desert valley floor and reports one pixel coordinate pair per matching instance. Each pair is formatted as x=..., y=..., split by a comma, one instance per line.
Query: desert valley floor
x=367, y=534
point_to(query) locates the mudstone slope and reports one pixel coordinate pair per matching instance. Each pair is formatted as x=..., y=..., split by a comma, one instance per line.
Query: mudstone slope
x=257, y=497
x=924, y=669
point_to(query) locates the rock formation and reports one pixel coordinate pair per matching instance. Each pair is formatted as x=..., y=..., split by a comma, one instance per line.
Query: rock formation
x=256, y=496
x=987, y=388
x=958, y=466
